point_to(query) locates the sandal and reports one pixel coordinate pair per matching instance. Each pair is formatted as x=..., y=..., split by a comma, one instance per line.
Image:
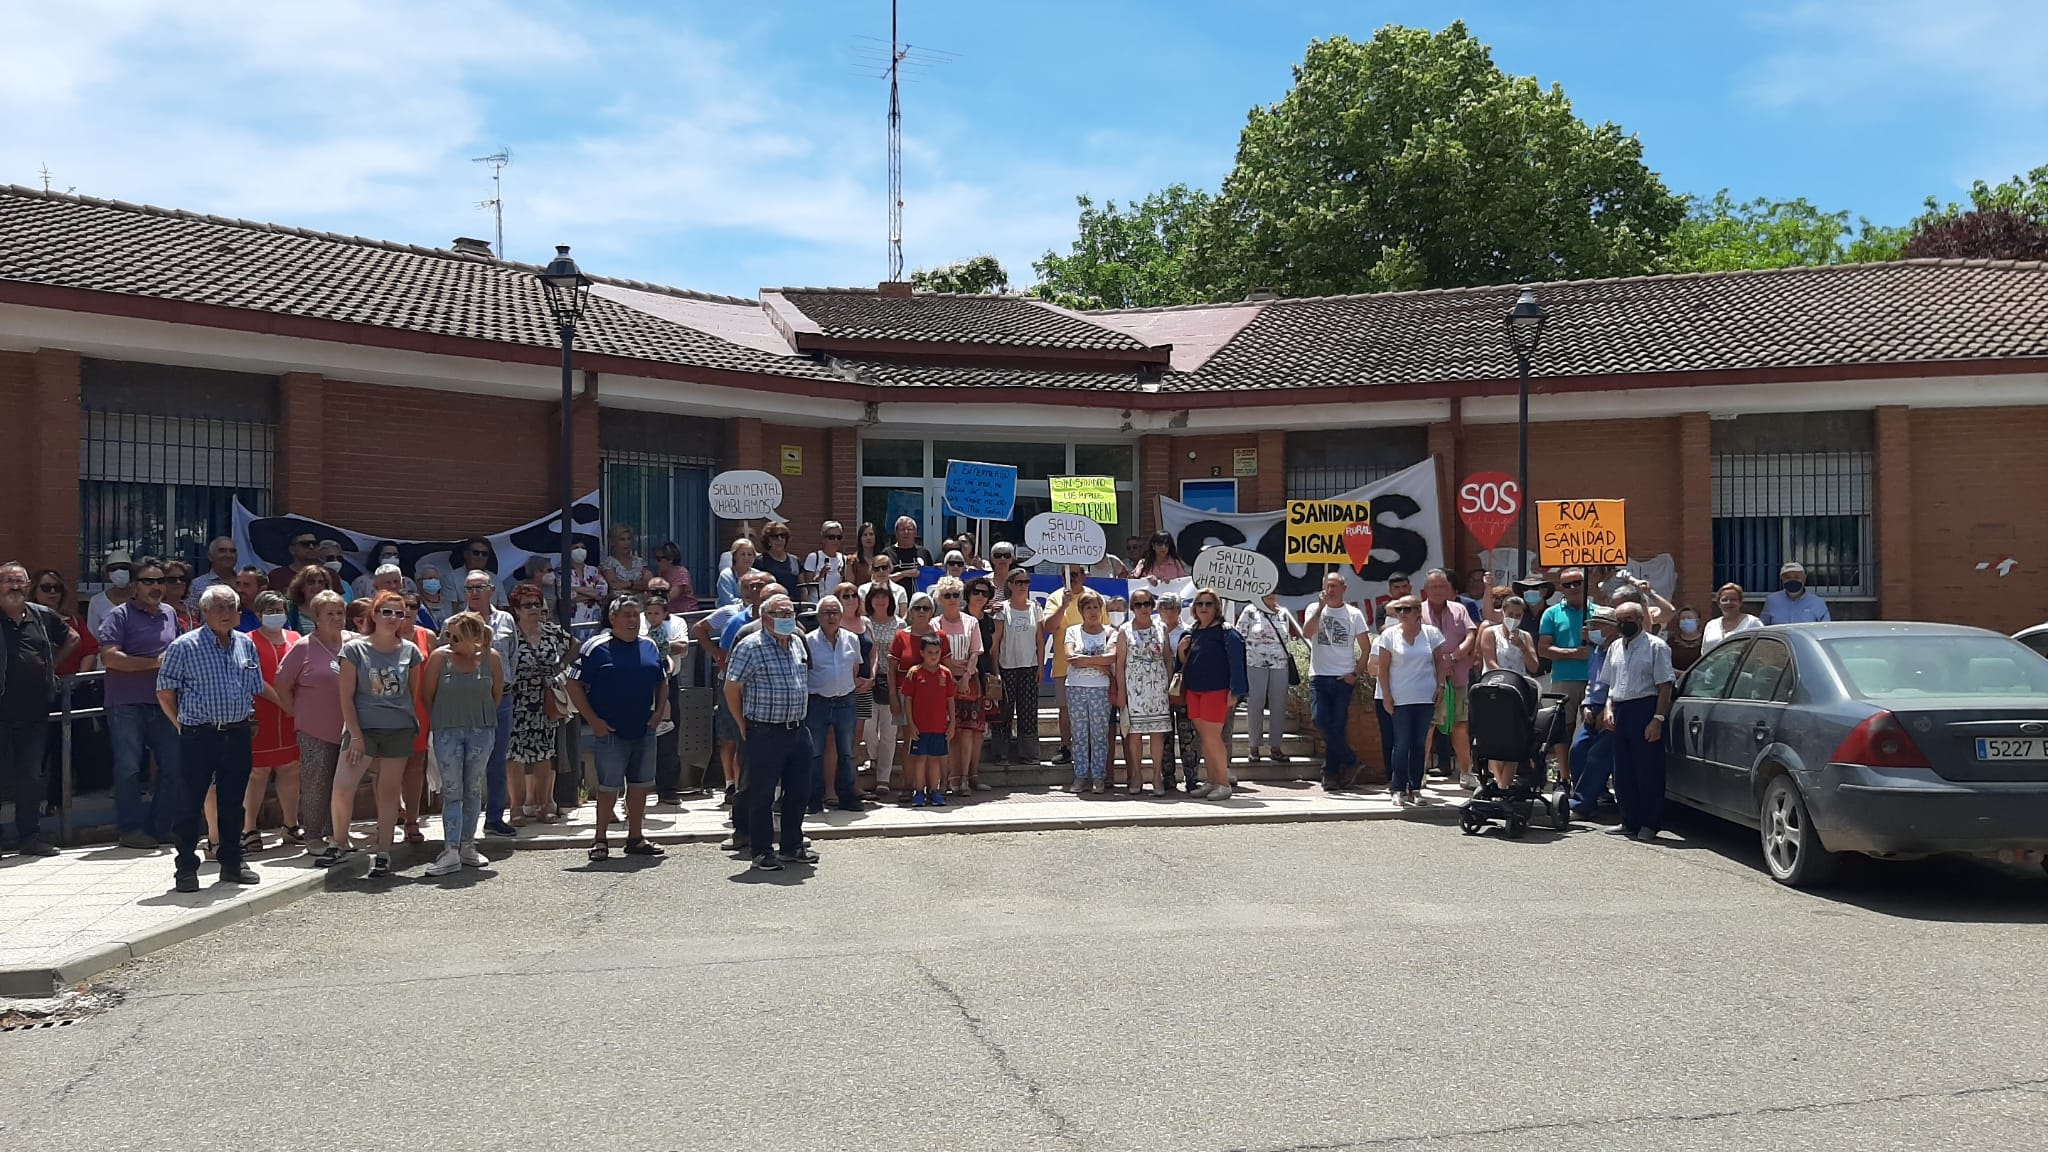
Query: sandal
x=252, y=842
x=641, y=846
x=551, y=816
x=294, y=834
x=600, y=851
x=413, y=835
x=206, y=847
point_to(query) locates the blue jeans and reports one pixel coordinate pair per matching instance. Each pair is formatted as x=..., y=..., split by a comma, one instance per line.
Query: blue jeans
x=1592, y=761
x=1411, y=740
x=622, y=761
x=838, y=714
x=134, y=729
x=775, y=756
x=498, y=796
x=464, y=755
x=22, y=747
x=1386, y=722
x=1638, y=766
x=1330, y=708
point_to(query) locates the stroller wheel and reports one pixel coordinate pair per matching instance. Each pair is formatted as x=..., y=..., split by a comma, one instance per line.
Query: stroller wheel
x=1561, y=810
x=1471, y=824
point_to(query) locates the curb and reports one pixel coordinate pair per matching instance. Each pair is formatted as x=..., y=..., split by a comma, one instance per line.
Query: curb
x=37, y=980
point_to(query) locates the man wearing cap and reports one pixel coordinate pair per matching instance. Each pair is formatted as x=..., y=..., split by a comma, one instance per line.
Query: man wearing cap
x=1637, y=667
x=1793, y=603
x=767, y=691
x=118, y=572
x=1561, y=639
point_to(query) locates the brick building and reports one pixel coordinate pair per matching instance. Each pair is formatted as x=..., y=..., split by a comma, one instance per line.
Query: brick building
x=1880, y=422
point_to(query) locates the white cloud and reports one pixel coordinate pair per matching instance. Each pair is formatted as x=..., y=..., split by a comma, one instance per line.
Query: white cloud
x=658, y=151
x=1983, y=51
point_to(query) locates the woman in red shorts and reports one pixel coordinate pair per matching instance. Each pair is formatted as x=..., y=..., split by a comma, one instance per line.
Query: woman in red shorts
x=1212, y=677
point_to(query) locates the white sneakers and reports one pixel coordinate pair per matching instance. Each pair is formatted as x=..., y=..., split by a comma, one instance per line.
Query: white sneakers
x=472, y=857
x=452, y=860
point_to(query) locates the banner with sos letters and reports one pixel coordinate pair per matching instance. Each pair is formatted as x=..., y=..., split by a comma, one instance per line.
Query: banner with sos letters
x=1488, y=503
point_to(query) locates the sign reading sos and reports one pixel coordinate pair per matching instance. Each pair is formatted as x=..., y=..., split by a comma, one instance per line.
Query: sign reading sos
x=1487, y=503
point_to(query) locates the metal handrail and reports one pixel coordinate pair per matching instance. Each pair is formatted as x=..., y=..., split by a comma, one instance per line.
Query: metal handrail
x=65, y=714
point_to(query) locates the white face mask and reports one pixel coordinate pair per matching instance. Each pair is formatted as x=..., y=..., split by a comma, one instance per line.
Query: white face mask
x=332, y=565
x=577, y=554
x=118, y=578
x=273, y=620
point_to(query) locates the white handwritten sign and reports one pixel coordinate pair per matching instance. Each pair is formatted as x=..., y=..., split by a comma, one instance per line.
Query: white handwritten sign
x=1236, y=573
x=746, y=495
x=1064, y=538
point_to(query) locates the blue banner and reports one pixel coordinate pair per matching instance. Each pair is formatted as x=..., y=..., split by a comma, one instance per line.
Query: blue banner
x=981, y=491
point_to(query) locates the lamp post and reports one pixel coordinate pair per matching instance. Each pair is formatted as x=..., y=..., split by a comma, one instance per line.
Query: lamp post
x=568, y=295
x=1525, y=330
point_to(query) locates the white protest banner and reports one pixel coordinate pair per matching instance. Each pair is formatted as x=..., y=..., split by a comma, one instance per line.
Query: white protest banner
x=1235, y=573
x=1064, y=538
x=1407, y=536
x=746, y=495
x=265, y=540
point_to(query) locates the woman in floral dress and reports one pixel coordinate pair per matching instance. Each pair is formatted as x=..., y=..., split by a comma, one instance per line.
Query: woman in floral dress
x=1142, y=677
x=541, y=647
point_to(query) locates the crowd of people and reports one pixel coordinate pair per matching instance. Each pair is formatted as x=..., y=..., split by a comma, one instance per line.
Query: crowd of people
x=830, y=668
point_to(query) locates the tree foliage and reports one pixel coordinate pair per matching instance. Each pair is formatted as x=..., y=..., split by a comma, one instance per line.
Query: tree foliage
x=2007, y=221
x=1139, y=256
x=974, y=276
x=1720, y=235
x=1412, y=160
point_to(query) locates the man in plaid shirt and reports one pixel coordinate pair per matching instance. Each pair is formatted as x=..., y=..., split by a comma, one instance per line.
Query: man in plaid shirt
x=767, y=689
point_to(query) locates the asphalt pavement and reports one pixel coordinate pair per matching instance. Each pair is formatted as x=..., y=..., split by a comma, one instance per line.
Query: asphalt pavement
x=1306, y=988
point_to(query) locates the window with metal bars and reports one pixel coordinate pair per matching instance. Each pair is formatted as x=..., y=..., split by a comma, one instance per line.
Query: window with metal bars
x=165, y=485
x=1323, y=464
x=662, y=499
x=1798, y=487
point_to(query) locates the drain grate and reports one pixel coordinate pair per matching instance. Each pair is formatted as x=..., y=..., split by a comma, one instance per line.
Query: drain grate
x=64, y=1009
x=9, y=1024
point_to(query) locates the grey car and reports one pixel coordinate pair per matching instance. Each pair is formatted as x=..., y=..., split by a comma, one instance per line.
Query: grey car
x=1890, y=739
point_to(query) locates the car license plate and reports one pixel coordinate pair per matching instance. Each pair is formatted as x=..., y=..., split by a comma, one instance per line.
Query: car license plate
x=2012, y=748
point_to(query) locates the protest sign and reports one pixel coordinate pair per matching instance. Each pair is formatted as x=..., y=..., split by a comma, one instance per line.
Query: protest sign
x=1090, y=496
x=1315, y=530
x=1581, y=532
x=746, y=495
x=1064, y=538
x=1487, y=503
x=1235, y=573
x=981, y=491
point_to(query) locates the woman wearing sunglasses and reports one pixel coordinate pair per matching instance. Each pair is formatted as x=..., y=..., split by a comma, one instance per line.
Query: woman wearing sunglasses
x=963, y=659
x=1409, y=663
x=777, y=560
x=380, y=699
x=1020, y=655
x=1213, y=680
x=1142, y=657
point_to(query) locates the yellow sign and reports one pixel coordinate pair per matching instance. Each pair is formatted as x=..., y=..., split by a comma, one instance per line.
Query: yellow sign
x=1244, y=461
x=792, y=459
x=1581, y=532
x=1316, y=528
x=1090, y=496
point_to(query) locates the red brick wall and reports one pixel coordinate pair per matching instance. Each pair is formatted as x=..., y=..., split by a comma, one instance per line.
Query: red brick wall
x=411, y=462
x=1893, y=504
x=1216, y=454
x=299, y=476
x=808, y=499
x=17, y=516
x=1978, y=501
x=845, y=495
x=1155, y=478
x=1639, y=460
x=51, y=458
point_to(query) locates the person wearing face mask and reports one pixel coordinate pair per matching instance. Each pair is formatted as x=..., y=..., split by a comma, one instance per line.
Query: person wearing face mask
x=119, y=574
x=1639, y=684
x=1592, y=747
x=1793, y=603
x=1684, y=638
x=435, y=603
x=1732, y=620
x=586, y=587
x=382, y=553
x=274, y=750
x=767, y=691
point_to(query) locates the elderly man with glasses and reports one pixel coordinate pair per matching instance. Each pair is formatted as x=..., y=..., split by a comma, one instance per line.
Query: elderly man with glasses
x=1561, y=639
x=767, y=690
x=133, y=639
x=840, y=669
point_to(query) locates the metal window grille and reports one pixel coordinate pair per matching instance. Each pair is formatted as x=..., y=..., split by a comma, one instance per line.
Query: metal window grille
x=1323, y=464
x=1813, y=507
x=664, y=498
x=165, y=485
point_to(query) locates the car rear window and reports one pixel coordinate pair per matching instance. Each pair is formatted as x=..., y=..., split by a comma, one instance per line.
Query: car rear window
x=1904, y=667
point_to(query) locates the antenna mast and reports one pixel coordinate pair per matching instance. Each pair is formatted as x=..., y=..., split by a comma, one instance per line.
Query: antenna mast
x=497, y=160
x=896, y=54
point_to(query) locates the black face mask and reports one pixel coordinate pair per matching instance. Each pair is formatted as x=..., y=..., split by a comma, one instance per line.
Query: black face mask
x=1794, y=587
x=1628, y=629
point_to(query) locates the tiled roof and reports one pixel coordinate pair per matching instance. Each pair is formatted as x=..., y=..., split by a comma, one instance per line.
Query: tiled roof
x=1914, y=311
x=891, y=375
x=1011, y=321
x=109, y=246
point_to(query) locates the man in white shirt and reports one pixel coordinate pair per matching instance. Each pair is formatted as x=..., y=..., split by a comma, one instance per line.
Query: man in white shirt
x=1639, y=684
x=1334, y=629
x=836, y=682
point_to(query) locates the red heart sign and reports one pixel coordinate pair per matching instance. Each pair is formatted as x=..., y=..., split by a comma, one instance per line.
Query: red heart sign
x=1358, y=545
x=1487, y=503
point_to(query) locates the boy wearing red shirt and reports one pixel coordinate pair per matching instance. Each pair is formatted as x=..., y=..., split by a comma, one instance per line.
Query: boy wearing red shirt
x=929, y=689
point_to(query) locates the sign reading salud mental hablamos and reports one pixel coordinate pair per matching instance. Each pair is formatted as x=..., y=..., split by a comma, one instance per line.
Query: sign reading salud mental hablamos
x=1064, y=538
x=1090, y=496
x=1235, y=573
x=746, y=495
x=1581, y=532
x=1316, y=528
x=981, y=491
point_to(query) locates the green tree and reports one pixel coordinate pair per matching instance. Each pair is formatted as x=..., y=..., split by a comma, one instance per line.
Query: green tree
x=1139, y=256
x=974, y=276
x=1413, y=161
x=2007, y=221
x=1720, y=235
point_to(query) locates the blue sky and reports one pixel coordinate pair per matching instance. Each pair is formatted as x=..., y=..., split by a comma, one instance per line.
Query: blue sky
x=730, y=147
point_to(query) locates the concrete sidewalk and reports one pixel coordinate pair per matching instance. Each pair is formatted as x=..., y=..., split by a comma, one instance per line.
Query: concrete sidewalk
x=68, y=918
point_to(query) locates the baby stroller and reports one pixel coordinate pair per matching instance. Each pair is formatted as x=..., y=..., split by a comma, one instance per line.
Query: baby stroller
x=1511, y=720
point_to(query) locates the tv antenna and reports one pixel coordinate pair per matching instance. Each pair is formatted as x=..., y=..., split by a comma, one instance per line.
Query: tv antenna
x=903, y=62
x=497, y=160
x=46, y=177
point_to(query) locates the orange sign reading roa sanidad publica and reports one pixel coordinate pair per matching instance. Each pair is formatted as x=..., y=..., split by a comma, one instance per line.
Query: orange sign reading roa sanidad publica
x=1580, y=532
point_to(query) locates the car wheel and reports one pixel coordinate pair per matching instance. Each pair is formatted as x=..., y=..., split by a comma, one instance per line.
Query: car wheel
x=1792, y=849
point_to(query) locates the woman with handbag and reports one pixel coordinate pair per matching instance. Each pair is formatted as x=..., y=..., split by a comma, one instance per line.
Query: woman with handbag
x=541, y=650
x=1212, y=681
x=1269, y=669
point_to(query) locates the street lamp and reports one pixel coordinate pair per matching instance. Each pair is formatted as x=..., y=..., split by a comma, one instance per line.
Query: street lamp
x=1525, y=331
x=568, y=293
